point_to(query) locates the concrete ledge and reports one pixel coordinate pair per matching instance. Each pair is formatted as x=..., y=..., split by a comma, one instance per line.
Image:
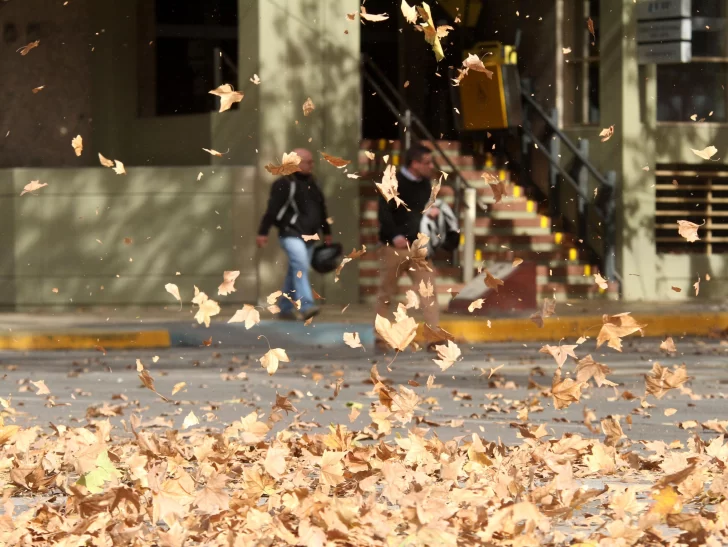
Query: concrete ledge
x=557, y=328
x=86, y=340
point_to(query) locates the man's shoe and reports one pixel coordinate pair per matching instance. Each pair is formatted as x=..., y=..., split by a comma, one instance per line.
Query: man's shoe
x=313, y=311
x=288, y=316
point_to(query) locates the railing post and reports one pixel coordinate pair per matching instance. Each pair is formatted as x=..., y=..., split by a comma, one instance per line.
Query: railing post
x=469, y=234
x=583, y=205
x=553, y=189
x=610, y=229
x=217, y=67
x=407, y=129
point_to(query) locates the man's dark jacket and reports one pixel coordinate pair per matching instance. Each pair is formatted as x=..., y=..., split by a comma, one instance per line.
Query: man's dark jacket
x=311, y=205
x=395, y=221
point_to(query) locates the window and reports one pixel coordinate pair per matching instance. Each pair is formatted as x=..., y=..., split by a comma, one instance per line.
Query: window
x=698, y=87
x=581, y=66
x=196, y=49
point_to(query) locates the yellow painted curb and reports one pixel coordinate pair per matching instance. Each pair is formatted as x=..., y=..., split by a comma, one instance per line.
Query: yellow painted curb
x=554, y=329
x=86, y=340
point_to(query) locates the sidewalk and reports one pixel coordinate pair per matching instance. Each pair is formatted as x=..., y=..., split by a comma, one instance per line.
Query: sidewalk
x=162, y=328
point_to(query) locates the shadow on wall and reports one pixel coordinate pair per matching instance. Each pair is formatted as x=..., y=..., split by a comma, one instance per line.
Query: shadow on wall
x=316, y=63
x=103, y=239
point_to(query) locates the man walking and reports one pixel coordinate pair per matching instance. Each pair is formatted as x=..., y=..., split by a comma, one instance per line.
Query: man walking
x=297, y=207
x=398, y=229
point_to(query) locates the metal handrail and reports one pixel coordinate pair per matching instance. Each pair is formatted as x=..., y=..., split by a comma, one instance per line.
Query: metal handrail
x=566, y=140
x=411, y=119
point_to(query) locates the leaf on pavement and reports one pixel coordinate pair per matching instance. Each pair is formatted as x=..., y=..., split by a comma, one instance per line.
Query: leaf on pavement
x=190, y=420
x=615, y=327
x=213, y=498
x=248, y=314
x=612, y=429
x=289, y=165
x=41, y=387
x=178, y=386
x=662, y=379
x=332, y=470
x=228, y=282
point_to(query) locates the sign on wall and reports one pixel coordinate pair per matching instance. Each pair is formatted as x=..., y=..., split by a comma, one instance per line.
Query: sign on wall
x=664, y=31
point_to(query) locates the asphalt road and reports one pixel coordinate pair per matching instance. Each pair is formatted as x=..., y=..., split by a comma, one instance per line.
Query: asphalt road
x=225, y=382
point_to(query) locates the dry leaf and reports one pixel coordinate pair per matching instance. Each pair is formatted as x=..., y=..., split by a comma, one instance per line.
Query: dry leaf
x=77, y=143
x=565, y=392
x=448, y=354
x=348, y=258
x=148, y=381
x=409, y=12
x=288, y=166
x=335, y=161
x=172, y=289
x=517, y=262
x=227, y=95
x=588, y=368
x=314, y=237
x=413, y=301
x=207, y=308
x=105, y=162
x=476, y=305
x=590, y=26
x=670, y=411
x=473, y=62
x=398, y=335
x=668, y=345
x=492, y=282
x=213, y=152
x=565, y=50
x=661, y=380
x=426, y=291
x=42, y=388
x=178, y=386
x=255, y=79
x=190, y=420
x=615, y=327
x=706, y=153
x=607, y=133
x=600, y=281
x=433, y=195
x=247, y=314
x=689, y=230
x=270, y=360
x=228, y=282
x=389, y=186
x=676, y=289
x=432, y=34
x=119, y=168
x=282, y=403
x=26, y=49
x=372, y=16
x=696, y=286
x=369, y=154
x=308, y=107
x=332, y=470
x=612, y=429
x=499, y=190
x=352, y=340
x=559, y=353
x=32, y=186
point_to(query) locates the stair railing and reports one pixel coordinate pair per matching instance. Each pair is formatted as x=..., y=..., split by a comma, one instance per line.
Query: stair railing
x=601, y=207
